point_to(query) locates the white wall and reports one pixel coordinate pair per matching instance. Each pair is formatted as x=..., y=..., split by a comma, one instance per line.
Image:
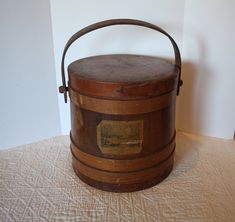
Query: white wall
x=28, y=94
x=207, y=101
x=70, y=16
x=206, y=105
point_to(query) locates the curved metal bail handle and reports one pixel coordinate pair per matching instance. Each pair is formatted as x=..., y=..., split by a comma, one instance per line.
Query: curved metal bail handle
x=64, y=88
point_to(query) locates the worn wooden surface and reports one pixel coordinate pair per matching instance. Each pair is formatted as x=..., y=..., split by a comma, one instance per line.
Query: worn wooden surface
x=123, y=120
x=123, y=76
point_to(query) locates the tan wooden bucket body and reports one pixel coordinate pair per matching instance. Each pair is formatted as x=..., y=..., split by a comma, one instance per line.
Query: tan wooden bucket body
x=123, y=119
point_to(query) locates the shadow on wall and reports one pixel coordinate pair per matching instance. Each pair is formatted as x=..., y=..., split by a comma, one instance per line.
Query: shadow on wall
x=187, y=103
x=194, y=96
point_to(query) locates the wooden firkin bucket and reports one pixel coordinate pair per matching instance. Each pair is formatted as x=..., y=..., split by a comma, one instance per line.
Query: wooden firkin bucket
x=122, y=115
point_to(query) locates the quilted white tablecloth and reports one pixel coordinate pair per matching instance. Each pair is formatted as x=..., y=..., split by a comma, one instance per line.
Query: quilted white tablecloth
x=37, y=183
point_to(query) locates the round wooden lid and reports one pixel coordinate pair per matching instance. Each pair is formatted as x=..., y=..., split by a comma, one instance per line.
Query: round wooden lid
x=122, y=76
x=122, y=68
